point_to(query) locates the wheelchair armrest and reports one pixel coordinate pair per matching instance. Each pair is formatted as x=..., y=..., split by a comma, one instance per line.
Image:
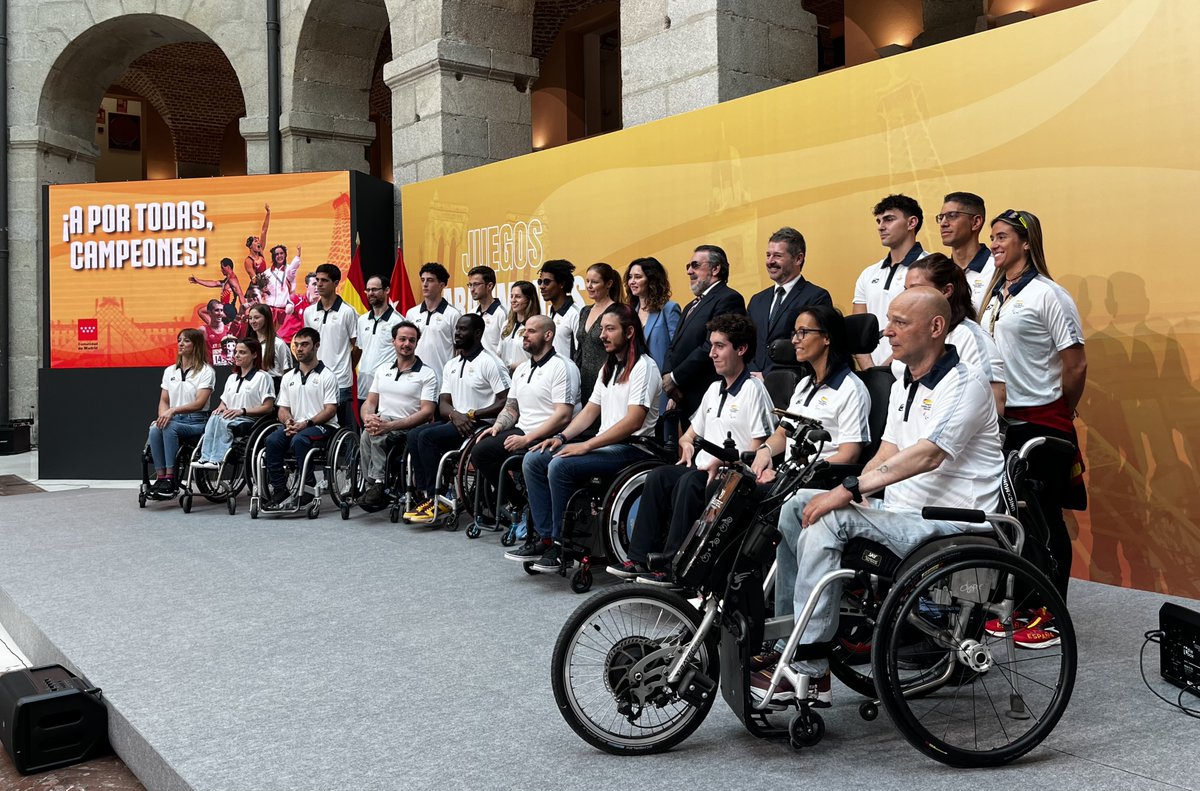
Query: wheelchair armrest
x=954, y=514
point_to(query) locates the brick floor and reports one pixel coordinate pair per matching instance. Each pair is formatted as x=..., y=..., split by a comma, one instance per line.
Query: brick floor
x=101, y=774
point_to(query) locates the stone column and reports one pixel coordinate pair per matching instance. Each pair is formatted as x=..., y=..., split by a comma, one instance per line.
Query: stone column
x=681, y=55
x=950, y=19
x=313, y=142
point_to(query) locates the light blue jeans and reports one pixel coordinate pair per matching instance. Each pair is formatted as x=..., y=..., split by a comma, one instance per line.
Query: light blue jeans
x=218, y=436
x=804, y=555
x=550, y=480
x=164, y=443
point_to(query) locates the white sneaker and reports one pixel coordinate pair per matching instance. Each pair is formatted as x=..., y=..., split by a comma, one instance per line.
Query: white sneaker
x=206, y=465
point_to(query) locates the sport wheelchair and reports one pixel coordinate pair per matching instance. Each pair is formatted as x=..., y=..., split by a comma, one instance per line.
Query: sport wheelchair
x=224, y=484
x=334, y=455
x=968, y=699
x=454, y=486
x=180, y=468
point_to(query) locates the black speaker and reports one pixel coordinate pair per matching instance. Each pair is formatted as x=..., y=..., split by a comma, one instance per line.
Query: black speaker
x=14, y=438
x=49, y=718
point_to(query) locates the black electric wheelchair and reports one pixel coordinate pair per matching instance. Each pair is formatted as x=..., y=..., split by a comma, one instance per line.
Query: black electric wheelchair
x=226, y=482
x=636, y=669
x=334, y=455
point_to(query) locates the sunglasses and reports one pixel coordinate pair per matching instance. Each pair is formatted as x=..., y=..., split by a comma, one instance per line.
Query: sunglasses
x=1014, y=217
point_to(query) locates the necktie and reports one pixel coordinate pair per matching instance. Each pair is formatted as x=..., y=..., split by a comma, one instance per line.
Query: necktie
x=779, y=292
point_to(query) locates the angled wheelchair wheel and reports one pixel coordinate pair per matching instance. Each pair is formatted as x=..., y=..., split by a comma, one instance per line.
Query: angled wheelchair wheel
x=621, y=507
x=465, y=481
x=985, y=701
x=610, y=665
x=341, y=468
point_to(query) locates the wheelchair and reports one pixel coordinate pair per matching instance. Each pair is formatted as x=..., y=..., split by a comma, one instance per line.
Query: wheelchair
x=964, y=697
x=224, y=484
x=334, y=455
x=454, y=486
x=181, y=467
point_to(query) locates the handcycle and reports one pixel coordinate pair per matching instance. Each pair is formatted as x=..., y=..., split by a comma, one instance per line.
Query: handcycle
x=637, y=670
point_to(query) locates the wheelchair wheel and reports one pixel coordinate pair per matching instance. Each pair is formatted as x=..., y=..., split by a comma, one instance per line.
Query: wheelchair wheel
x=185, y=502
x=610, y=665
x=465, y=481
x=231, y=505
x=341, y=468
x=850, y=656
x=621, y=509
x=1012, y=697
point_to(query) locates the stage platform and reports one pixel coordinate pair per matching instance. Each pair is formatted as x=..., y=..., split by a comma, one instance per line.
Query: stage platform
x=330, y=654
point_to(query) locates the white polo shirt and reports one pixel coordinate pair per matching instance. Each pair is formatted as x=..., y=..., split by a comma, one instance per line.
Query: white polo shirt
x=1036, y=322
x=474, y=381
x=566, y=324
x=540, y=385
x=338, y=327
x=642, y=388
x=953, y=408
x=182, y=385
x=306, y=394
x=375, y=340
x=512, y=349
x=493, y=324
x=248, y=392
x=842, y=403
x=979, y=274
x=975, y=348
x=283, y=358
x=742, y=410
x=436, y=344
x=877, y=286
x=401, y=392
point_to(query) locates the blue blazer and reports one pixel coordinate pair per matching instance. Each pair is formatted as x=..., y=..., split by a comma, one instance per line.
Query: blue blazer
x=659, y=330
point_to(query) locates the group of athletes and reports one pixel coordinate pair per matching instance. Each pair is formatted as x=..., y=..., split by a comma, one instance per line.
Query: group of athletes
x=986, y=349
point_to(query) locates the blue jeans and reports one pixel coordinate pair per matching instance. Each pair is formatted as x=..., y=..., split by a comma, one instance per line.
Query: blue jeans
x=218, y=436
x=277, y=444
x=427, y=444
x=550, y=480
x=804, y=555
x=164, y=443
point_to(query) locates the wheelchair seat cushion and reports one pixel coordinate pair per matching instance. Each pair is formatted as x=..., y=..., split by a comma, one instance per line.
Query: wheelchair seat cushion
x=863, y=554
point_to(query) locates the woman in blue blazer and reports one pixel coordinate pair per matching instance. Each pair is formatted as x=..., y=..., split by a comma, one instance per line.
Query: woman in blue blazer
x=650, y=296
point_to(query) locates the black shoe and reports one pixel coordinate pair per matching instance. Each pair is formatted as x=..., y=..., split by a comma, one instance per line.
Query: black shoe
x=374, y=498
x=277, y=498
x=551, y=560
x=160, y=486
x=165, y=487
x=306, y=498
x=529, y=551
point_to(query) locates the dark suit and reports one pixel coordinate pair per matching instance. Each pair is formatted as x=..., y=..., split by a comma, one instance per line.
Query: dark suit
x=687, y=356
x=802, y=294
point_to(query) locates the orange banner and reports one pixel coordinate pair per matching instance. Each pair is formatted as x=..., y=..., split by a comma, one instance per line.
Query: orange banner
x=131, y=264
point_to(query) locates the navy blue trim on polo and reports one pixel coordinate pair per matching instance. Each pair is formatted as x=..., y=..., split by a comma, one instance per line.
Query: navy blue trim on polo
x=566, y=307
x=1015, y=287
x=833, y=380
x=414, y=368
x=337, y=305
x=912, y=255
x=495, y=306
x=247, y=378
x=376, y=321
x=535, y=364
x=319, y=368
x=944, y=365
x=980, y=260
x=183, y=372
x=466, y=359
x=441, y=308
x=733, y=390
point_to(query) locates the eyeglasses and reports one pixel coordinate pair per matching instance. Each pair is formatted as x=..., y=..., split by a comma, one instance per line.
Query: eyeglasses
x=804, y=332
x=1014, y=217
x=696, y=264
x=954, y=215
x=368, y=289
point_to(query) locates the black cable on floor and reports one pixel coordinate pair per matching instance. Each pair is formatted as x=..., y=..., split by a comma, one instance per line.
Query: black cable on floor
x=1156, y=636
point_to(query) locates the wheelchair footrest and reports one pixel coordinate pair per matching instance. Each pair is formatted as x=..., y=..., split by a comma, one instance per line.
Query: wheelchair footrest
x=696, y=688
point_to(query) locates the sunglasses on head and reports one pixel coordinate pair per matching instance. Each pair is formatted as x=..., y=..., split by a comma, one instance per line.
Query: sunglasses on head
x=1014, y=217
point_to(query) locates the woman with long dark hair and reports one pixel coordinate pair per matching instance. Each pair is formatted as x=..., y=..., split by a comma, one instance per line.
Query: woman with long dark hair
x=1036, y=326
x=650, y=295
x=276, y=358
x=249, y=393
x=603, y=286
x=182, y=405
x=522, y=303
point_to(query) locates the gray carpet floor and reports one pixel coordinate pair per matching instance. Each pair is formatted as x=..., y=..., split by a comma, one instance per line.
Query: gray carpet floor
x=297, y=654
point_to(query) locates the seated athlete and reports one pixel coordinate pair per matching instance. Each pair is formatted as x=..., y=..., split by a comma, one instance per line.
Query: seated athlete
x=625, y=401
x=308, y=401
x=544, y=394
x=474, y=387
x=941, y=447
x=403, y=394
x=249, y=393
x=182, y=406
x=738, y=406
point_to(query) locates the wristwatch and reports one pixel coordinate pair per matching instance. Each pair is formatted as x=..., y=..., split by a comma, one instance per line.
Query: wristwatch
x=851, y=483
x=471, y=414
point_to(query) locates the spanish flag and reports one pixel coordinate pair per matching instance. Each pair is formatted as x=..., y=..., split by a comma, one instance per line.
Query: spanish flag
x=353, y=287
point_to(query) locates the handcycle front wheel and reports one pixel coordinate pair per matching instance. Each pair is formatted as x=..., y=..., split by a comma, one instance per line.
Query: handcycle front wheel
x=610, y=666
x=1015, y=696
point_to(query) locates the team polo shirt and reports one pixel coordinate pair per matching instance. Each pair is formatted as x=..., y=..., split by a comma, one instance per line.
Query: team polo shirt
x=283, y=358
x=1036, y=322
x=566, y=324
x=306, y=394
x=953, y=408
x=249, y=391
x=338, y=327
x=975, y=348
x=877, y=286
x=375, y=340
x=474, y=381
x=842, y=404
x=183, y=385
x=979, y=274
x=741, y=410
x=436, y=344
x=493, y=325
x=540, y=385
x=401, y=392
x=512, y=349
x=642, y=388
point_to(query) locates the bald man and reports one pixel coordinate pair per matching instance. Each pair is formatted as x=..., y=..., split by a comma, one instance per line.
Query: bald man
x=941, y=446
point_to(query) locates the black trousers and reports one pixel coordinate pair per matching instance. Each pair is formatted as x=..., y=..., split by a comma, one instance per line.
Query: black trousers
x=487, y=456
x=1053, y=470
x=672, y=500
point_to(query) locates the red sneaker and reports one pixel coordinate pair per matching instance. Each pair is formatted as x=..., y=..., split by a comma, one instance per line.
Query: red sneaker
x=1037, y=637
x=1021, y=620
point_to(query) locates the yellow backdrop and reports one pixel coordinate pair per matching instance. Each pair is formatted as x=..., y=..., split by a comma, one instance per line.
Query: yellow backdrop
x=1089, y=118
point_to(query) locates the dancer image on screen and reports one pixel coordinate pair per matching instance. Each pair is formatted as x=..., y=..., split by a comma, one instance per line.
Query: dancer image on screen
x=255, y=263
x=280, y=281
x=293, y=318
x=231, y=288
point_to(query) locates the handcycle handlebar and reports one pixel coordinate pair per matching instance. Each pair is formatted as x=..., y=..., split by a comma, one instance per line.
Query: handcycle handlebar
x=972, y=515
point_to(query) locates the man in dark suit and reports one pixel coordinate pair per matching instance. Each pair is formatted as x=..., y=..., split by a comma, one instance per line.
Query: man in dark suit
x=689, y=370
x=773, y=310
